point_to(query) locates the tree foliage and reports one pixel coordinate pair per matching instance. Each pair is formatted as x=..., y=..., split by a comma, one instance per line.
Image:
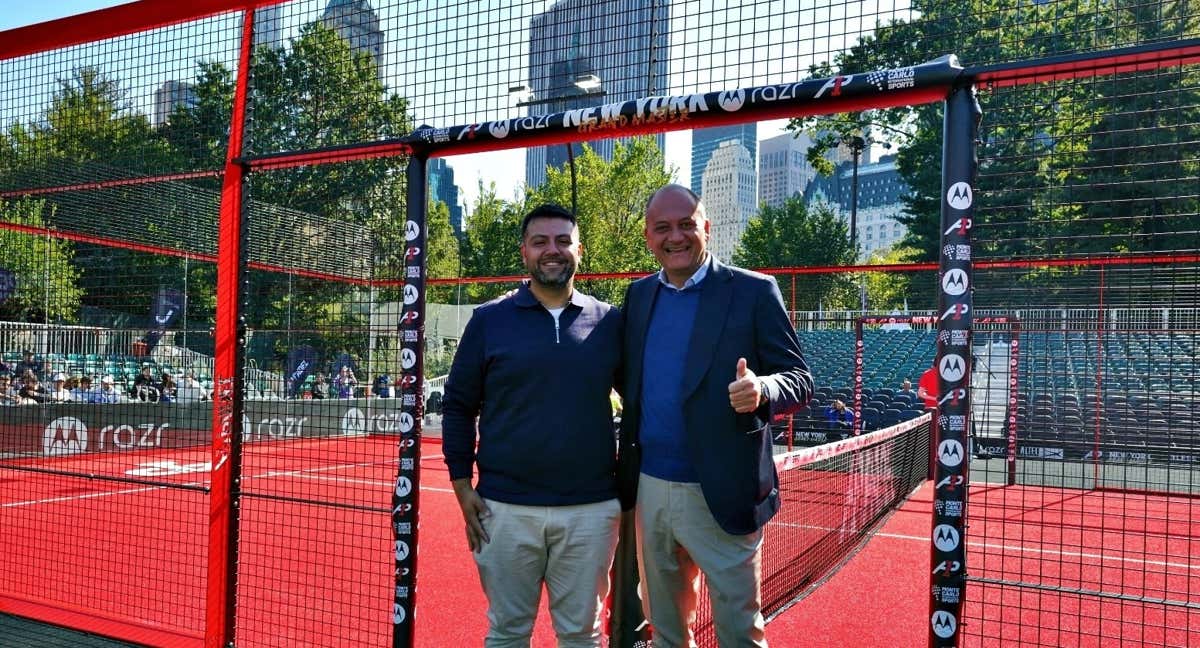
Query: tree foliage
x=1078, y=167
x=46, y=279
x=799, y=234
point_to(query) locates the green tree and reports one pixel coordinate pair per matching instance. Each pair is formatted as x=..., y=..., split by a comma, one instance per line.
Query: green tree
x=89, y=133
x=612, y=198
x=798, y=234
x=441, y=247
x=888, y=291
x=1091, y=159
x=489, y=249
x=47, y=281
x=345, y=218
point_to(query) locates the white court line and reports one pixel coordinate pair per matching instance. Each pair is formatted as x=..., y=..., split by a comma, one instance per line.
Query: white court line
x=68, y=498
x=1055, y=552
x=284, y=473
x=371, y=482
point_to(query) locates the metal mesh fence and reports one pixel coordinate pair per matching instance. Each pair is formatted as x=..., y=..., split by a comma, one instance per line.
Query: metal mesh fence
x=115, y=169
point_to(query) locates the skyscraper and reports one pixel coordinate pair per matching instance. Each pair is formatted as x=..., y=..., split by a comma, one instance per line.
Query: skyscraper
x=442, y=187
x=358, y=23
x=268, y=27
x=783, y=168
x=880, y=189
x=169, y=96
x=706, y=140
x=621, y=43
x=728, y=188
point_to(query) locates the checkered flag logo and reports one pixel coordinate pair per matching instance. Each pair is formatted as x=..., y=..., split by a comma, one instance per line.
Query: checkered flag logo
x=876, y=79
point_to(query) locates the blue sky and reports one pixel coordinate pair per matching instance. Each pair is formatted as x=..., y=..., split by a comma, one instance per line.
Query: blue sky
x=173, y=52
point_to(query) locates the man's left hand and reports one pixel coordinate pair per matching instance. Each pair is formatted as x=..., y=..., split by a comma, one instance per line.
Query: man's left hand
x=745, y=394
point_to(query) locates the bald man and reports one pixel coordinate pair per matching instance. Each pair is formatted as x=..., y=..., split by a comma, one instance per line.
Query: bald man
x=710, y=357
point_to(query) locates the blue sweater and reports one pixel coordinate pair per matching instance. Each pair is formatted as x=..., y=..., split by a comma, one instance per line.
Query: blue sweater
x=664, y=444
x=541, y=395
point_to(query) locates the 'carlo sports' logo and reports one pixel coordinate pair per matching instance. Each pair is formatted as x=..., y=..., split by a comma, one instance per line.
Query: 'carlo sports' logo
x=66, y=435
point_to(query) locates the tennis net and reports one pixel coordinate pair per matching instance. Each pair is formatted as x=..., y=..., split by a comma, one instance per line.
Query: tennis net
x=833, y=497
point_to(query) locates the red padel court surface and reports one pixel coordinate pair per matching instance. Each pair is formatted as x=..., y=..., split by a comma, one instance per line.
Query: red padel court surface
x=129, y=560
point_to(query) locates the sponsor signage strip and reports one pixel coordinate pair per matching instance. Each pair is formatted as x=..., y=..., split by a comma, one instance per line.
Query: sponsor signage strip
x=411, y=330
x=1013, y=364
x=878, y=88
x=953, y=365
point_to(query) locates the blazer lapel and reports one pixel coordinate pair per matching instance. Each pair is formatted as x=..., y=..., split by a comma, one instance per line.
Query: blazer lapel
x=715, y=294
x=639, y=323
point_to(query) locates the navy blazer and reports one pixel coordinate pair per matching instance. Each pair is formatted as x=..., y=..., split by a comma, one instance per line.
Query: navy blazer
x=741, y=315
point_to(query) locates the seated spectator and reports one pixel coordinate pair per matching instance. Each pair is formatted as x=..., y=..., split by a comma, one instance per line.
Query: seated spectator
x=32, y=391
x=5, y=368
x=27, y=363
x=189, y=390
x=320, y=388
x=145, y=387
x=108, y=392
x=344, y=383
x=59, y=392
x=83, y=392
x=383, y=386
x=7, y=395
x=841, y=421
x=906, y=387
x=166, y=389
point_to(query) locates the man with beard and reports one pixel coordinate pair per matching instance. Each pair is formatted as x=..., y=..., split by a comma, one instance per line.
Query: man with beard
x=536, y=367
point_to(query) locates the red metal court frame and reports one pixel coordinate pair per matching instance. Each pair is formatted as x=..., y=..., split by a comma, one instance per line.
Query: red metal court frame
x=941, y=80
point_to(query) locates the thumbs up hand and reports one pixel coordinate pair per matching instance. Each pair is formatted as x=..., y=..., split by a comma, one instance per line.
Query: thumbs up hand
x=745, y=392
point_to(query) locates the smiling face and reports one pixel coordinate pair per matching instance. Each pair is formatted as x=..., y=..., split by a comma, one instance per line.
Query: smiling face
x=677, y=232
x=551, y=251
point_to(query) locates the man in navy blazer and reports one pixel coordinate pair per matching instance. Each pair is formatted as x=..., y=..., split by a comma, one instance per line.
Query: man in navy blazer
x=710, y=357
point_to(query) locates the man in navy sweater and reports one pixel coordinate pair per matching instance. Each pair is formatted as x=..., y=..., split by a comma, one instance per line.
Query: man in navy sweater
x=536, y=368
x=710, y=357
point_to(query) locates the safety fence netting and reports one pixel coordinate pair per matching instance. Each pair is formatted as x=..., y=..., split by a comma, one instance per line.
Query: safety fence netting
x=207, y=230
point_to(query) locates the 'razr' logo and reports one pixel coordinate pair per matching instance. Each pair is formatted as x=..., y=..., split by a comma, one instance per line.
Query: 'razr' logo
x=66, y=435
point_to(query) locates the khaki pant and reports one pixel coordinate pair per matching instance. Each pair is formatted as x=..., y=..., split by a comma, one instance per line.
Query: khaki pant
x=569, y=548
x=677, y=540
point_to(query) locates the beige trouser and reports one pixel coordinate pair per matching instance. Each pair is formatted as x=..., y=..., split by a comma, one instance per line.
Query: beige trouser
x=677, y=540
x=570, y=548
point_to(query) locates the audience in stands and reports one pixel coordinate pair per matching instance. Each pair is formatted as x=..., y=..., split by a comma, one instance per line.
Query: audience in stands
x=166, y=388
x=108, y=392
x=841, y=420
x=27, y=363
x=190, y=390
x=58, y=392
x=7, y=395
x=82, y=391
x=145, y=387
x=320, y=388
x=383, y=386
x=344, y=383
x=32, y=390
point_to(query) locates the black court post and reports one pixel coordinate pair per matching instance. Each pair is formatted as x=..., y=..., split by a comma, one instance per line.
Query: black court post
x=405, y=495
x=954, y=368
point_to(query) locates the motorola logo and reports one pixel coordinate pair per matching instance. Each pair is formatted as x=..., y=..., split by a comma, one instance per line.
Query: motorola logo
x=944, y=624
x=952, y=367
x=945, y=537
x=959, y=196
x=950, y=452
x=955, y=282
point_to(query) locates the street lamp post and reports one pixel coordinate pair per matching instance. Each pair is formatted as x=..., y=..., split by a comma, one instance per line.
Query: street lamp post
x=857, y=144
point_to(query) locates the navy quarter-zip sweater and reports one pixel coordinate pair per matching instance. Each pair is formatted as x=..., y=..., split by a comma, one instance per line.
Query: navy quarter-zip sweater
x=541, y=395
